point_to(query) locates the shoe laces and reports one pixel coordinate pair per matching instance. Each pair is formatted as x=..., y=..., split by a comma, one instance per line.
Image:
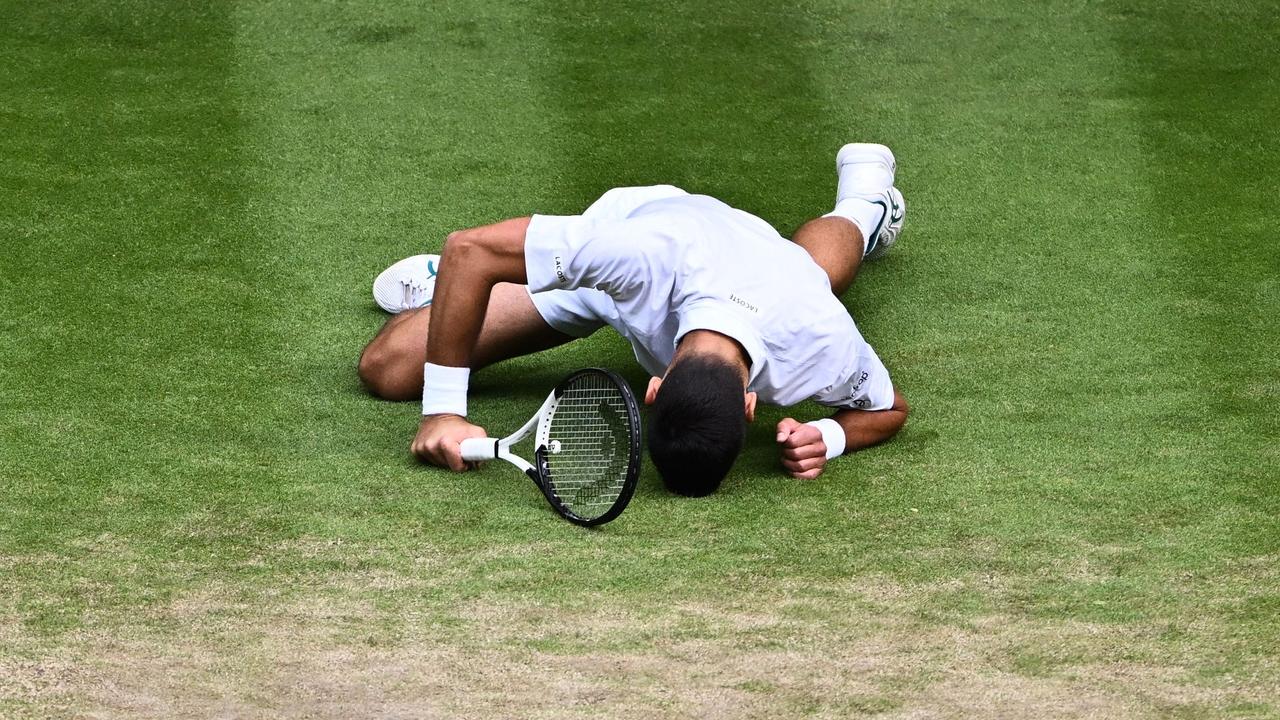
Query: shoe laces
x=415, y=289
x=413, y=293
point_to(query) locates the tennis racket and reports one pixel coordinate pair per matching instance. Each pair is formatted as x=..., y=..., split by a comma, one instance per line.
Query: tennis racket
x=586, y=455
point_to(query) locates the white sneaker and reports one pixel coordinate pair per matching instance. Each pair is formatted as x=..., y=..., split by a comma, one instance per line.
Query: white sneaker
x=408, y=284
x=866, y=171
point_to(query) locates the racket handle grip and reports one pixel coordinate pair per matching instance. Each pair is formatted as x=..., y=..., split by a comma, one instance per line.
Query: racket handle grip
x=477, y=449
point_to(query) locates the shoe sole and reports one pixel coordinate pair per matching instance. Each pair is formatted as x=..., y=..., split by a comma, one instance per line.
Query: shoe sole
x=866, y=152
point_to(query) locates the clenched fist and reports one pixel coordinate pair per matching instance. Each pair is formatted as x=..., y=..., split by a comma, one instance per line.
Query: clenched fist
x=804, y=453
x=439, y=440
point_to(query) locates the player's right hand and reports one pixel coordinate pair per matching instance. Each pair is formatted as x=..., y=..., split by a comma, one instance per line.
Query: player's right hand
x=439, y=440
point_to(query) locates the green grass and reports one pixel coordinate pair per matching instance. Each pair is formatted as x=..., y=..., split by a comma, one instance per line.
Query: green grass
x=202, y=513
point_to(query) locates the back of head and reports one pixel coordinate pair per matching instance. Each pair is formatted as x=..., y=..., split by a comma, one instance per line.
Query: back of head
x=697, y=424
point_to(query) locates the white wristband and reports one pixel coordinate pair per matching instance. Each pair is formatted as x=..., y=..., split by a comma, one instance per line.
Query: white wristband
x=832, y=435
x=444, y=389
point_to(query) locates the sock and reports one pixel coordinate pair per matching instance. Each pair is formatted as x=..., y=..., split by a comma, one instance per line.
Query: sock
x=863, y=213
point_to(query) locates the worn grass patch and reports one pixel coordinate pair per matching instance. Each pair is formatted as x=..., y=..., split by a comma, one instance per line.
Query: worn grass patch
x=328, y=652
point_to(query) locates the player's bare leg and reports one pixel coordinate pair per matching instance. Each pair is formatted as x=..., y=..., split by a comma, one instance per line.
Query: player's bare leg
x=836, y=245
x=867, y=218
x=391, y=365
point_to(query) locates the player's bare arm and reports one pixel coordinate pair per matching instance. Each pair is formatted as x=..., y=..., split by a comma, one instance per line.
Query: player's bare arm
x=805, y=449
x=476, y=261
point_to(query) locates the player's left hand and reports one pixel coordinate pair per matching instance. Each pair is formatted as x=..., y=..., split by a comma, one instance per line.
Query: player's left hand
x=804, y=454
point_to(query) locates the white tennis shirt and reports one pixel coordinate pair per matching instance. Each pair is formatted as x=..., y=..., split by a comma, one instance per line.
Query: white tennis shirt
x=656, y=262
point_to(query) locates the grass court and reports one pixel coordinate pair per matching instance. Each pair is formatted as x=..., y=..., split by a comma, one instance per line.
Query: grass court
x=202, y=515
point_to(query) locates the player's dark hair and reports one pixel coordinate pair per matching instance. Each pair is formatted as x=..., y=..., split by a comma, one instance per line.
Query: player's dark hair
x=697, y=424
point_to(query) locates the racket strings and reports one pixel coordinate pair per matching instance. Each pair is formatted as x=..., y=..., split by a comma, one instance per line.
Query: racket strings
x=591, y=438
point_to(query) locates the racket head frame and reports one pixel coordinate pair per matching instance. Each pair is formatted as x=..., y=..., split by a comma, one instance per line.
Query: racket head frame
x=482, y=449
x=541, y=472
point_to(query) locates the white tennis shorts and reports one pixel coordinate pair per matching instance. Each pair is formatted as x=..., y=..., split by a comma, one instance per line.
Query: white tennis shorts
x=580, y=312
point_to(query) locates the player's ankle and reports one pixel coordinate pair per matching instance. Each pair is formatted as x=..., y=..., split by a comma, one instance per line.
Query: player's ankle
x=866, y=215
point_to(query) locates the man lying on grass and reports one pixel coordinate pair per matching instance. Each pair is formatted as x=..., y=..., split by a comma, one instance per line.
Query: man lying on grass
x=718, y=306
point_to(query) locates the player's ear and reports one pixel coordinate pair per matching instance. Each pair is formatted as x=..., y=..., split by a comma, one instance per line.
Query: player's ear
x=751, y=407
x=651, y=393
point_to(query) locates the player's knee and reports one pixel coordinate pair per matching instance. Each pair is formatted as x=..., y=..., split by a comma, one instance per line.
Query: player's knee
x=371, y=369
x=461, y=245
x=387, y=375
x=697, y=426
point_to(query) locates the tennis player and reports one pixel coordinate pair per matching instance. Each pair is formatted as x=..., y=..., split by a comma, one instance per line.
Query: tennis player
x=719, y=308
